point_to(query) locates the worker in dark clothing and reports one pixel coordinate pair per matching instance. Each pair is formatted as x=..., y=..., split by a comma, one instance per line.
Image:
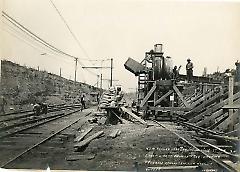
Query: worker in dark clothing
x=175, y=73
x=189, y=69
x=83, y=102
x=37, y=109
x=3, y=102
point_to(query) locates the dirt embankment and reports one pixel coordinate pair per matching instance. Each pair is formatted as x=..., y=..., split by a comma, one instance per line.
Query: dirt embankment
x=23, y=85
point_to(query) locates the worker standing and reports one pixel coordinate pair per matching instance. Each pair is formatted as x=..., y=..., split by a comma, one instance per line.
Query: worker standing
x=83, y=102
x=3, y=102
x=189, y=69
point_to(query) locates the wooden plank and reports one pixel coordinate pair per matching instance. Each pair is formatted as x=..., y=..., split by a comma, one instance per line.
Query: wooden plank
x=213, y=109
x=114, y=133
x=88, y=140
x=228, y=123
x=119, y=118
x=206, y=102
x=172, y=168
x=234, y=133
x=216, y=147
x=82, y=135
x=234, y=106
x=174, y=109
x=180, y=96
x=201, y=99
x=163, y=97
x=148, y=95
x=80, y=157
x=133, y=115
x=210, y=118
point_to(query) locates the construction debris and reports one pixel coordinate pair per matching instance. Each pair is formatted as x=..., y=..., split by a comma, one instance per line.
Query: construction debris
x=125, y=110
x=80, y=157
x=88, y=140
x=115, y=133
x=82, y=135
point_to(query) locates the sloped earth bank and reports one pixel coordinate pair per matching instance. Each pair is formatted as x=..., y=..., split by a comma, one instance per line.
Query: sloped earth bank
x=130, y=150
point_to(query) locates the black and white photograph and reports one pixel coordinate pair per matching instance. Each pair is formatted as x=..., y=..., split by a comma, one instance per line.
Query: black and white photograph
x=120, y=85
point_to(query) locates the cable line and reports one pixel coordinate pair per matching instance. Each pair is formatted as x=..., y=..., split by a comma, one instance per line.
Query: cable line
x=65, y=22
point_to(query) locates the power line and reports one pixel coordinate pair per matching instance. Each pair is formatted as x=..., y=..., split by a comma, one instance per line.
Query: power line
x=29, y=42
x=65, y=22
x=34, y=36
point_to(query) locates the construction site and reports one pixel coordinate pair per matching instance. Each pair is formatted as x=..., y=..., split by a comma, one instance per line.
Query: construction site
x=171, y=120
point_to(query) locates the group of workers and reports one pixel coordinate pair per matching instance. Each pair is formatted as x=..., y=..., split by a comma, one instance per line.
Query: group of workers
x=189, y=71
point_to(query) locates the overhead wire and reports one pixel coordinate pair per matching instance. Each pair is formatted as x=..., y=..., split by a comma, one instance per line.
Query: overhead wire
x=46, y=44
x=73, y=35
x=34, y=36
x=75, y=38
x=28, y=41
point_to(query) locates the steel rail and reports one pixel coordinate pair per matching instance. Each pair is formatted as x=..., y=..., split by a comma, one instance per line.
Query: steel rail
x=210, y=132
x=32, y=113
x=42, y=141
x=222, y=164
x=236, y=157
x=33, y=120
x=41, y=123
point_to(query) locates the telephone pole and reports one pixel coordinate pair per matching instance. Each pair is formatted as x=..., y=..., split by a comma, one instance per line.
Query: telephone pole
x=60, y=72
x=101, y=83
x=75, y=74
x=111, y=72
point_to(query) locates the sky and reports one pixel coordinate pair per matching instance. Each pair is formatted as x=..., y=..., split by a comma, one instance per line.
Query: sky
x=207, y=32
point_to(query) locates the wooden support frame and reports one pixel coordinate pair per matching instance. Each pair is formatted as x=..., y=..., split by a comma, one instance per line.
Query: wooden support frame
x=144, y=101
x=213, y=116
x=181, y=96
x=163, y=97
x=174, y=109
x=213, y=109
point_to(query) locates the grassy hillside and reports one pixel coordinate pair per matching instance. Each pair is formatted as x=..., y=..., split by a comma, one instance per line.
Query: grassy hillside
x=24, y=85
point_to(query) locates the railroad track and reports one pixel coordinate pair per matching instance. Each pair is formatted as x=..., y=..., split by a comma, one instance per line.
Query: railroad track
x=10, y=124
x=16, y=145
x=199, y=153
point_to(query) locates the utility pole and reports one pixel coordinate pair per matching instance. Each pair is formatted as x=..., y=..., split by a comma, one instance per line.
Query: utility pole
x=111, y=72
x=75, y=74
x=101, y=83
x=97, y=80
x=60, y=74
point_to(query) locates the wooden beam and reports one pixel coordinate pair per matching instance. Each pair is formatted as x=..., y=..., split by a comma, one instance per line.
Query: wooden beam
x=228, y=123
x=88, y=140
x=134, y=116
x=209, y=118
x=119, y=118
x=163, y=97
x=213, y=109
x=201, y=99
x=180, y=96
x=144, y=101
x=82, y=135
x=79, y=157
x=206, y=102
x=234, y=133
x=175, y=109
x=114, y=133
x=216, y=147
x=171, y=168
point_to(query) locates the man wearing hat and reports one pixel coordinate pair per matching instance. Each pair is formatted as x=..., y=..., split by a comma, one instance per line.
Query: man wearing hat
x=189, y=68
